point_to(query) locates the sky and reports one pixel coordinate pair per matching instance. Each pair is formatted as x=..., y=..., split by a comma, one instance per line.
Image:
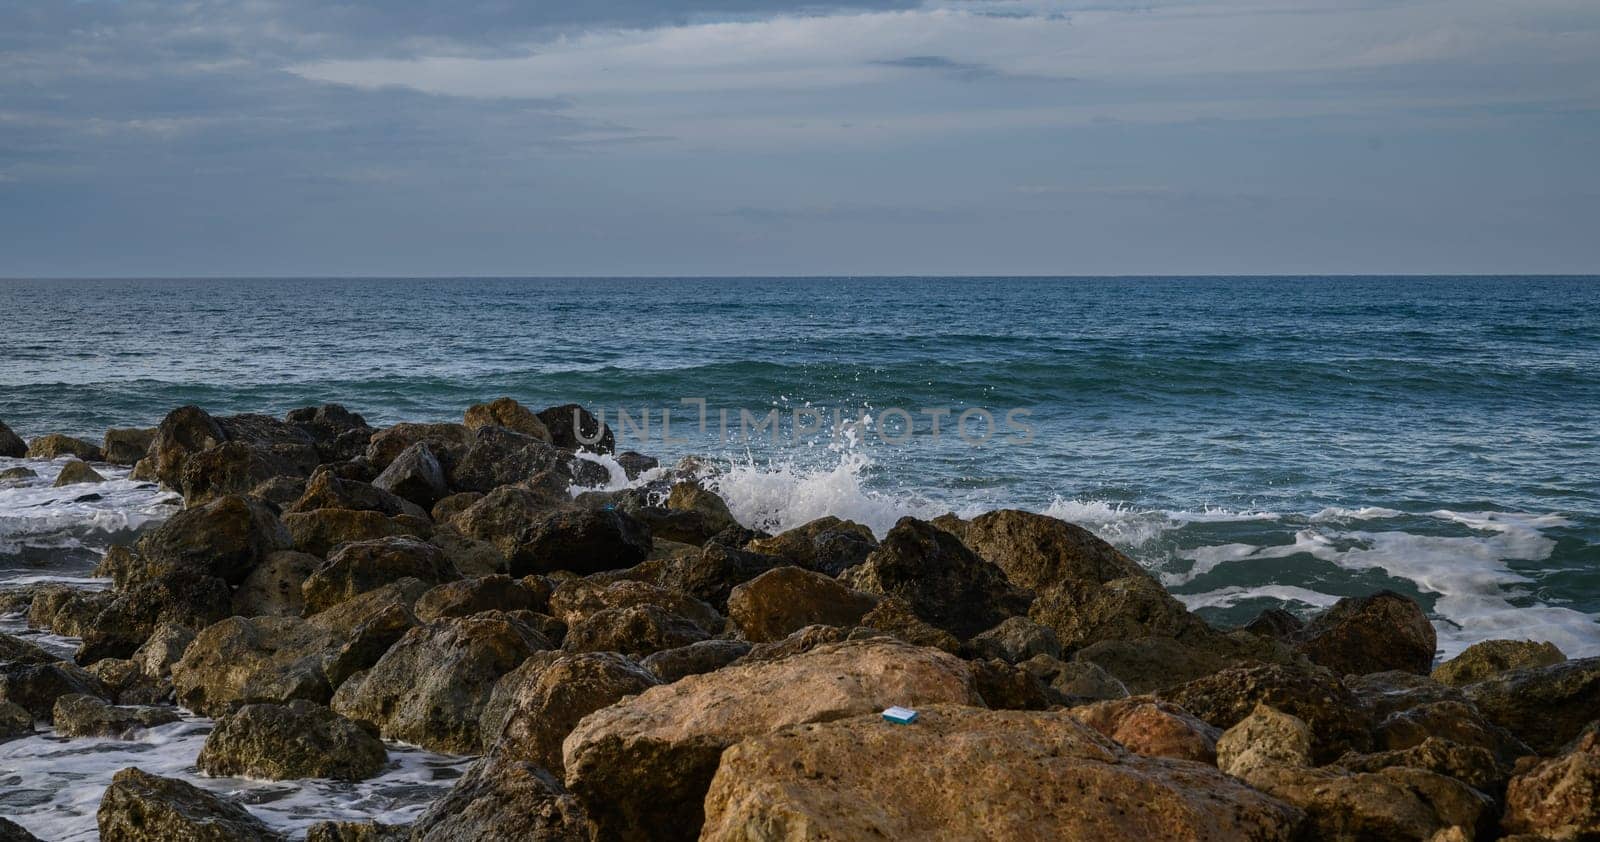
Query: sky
x=761, y=137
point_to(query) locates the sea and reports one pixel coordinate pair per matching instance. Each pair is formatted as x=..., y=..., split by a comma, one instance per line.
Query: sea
x=1255, y=442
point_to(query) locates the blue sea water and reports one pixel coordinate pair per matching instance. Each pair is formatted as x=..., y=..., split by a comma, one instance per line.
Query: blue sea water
x=1255, y=441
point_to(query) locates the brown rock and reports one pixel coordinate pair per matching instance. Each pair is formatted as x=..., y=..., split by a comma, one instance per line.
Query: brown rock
x=941, y=580
x=1385, y=631
x=575, y=428
x=827, y=545
x=1152, y=728
x=501, y=799
x=646, y=762
x=288, y=742
x=1122, y=609
x=78, y=715
x=552, y=700
x=184, y=432
x=362, y=566
x=483, y=593
x=692, y=497
x=669, y=665
x=127, y=446
x=1543, y=706
x=1492, y=657
x=894, y=617
x=575, y=600
x=786, y=599
x=226, y=538
x=964, y=773
x=447, y=442
x=1559, y=798
x=505, y=412
x=141, y=807
x=55, y=445
x=320, y=532
x=1338, y=719
x=77, y=472
x=273, y=589
x=1039, y=552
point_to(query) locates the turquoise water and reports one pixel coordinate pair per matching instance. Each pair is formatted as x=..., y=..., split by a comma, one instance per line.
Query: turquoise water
x=1255, y=441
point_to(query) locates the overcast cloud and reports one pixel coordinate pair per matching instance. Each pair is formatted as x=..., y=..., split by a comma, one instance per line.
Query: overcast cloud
x=722, y=137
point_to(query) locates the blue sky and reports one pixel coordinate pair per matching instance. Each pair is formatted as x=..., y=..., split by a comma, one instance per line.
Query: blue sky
x=624, y=137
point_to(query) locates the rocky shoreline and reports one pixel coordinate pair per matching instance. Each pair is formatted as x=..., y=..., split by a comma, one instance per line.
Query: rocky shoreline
x=636, y=665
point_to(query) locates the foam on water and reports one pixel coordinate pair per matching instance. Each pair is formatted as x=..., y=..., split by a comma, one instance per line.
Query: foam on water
x=36, y=516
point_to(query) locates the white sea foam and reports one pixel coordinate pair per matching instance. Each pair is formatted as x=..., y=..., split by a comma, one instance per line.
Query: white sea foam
x=783, y=495
x=1227, y=597
x=36, y=515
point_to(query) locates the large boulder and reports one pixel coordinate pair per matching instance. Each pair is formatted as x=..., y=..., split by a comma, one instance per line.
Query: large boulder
x=1152, y=728
x=690, y=496
x=15, y=650
x=237, y=468
x=894, y=617
x=326, y=490
x=827, y=545
x=56, y=445
x=447, y=442
x=127, y=446
x=1543, y=706
x=1078, y=682
x=502, y=517
x=710, y=573
x=415, y=475
x=320, y=532
x=79, y=715
x=1384, y=631
x=273, y=589
x=941, y=580
x=1338, y=718
x=287, y=742
x=141, y=807
x=1559, y=798
x=181, y=597
x=36, y=687
x=161, y=650
x=1492, y=657
x=184, y=432
x=574, y=428
x=502, y=799
x=11, y=445
x=77, y=472
x=499, y=456
x=784, y=600
x=432, y=686
x=225, y=538
x=637, y=630
x=507, y=413
x=1015, y=640
x=363, y=566
x=580, y=541
x=483, y=593
x=336, y=432
x=1267, y=737
x=551, y=701
x=669, y=665
x=965, y=773
x=1038, y=552
x=647, y=762
x=575, y=600
x=10, y=831
x=1122, y=609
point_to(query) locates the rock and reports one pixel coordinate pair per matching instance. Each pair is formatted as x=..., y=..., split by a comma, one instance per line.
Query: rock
x=504, y=800
x=1543, y=706
x=892, y=616
x=551, y=702
x=184, y=432
x=239, y=468
x=336, y=432
x=1004, y=686
x=637, y=630
x=15, y=650
x=1398, y=803
x=78, y=715
x=127, y=446
x=1122, y=609
x=273, y=588
x=507, y=413
x=1267, y=737
x=431, y=687
x=484, y=593
x=804, y=640
x=1385, y=631
x=783, y=600
x=572, y=427
x=181, y=596
x=580, y=541
x=1474, y=766
x=77, y=473
x=575, y=600
x=415, y=475
x=1077, y=681
x=964, y=773
x=692, y=497
x=447, y=442
x=712, y=572
x=669, y=665
x=1338, y=719
x=226, y=538
x=939, y=578
x=11, y=445
x=328, y=491
x=66, y=610
x=647, y=762
x=280, y=491
x=1275, y=623
x=56, y=445
x=36, y=687
x=18, y=474
x=15, y=721
x=333, y=831
x=1040, y=552
x=162, y=649
x=1396, y=690
x=322, y=531
x=502, y=517
x=1152, y=728
x=141, y=807
x=1015, y=640
x=1456, y=722
x=288, y=742
x=1559, y=798
x=1492, y=657
x=126, y=684
x=447, y=508
x=499, y=456
x=362, y=566
x=827, y=545
x=634, y=465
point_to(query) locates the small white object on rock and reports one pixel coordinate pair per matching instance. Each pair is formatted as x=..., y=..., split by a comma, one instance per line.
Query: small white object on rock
x=900, y=716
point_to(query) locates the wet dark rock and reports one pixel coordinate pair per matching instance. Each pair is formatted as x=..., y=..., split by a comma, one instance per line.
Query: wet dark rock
x=502, y=517
x=499, y=456
x=36, y=687
x=322, y=531
x=55, y=445
x=280, y=491
x=431, y=687
x=292, y=741
x=1275, y=623
x=892, y=616
x=184, y=432
x=325, y=490
x=362, y=566
x=1005, y=686
x=15, y=721
x=226, y=538
x=127, y=446
x=336, y=432
x=18, y=474
x=415, y=475
x=945, y=583
x=1384, y=631
x=637, y=630
x=182, y=596
x=126, y=683
x=447, y=443
x=634, y=465
x=273, y=589
x=669, y=665
x=1077, y=682
x=827, y=545
x=1543, y=706
x=141, y=807
x=1338, y=719
x=568, y=422
x=11, y=445
x=501, y=799
x=580, y=541
x=77, y=472
x=78, y=715
x=1015, y=640
x=711, y=573
x=16, y=650
x=238, y=468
